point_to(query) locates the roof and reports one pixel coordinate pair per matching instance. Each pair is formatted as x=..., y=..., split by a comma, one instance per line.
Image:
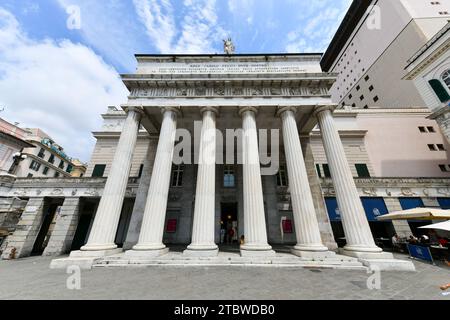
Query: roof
x=227, y=55
x=354, y=14
x=13, y=139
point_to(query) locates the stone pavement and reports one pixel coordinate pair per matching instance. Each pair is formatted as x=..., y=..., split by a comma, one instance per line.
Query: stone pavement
x=31, y=278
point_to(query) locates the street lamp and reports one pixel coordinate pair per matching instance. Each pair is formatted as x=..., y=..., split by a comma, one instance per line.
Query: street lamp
x=18, y=156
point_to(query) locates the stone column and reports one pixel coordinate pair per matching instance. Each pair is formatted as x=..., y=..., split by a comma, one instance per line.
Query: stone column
x=65, y=228
x=254, y=218
x=103, y=232
x=203, y=231
x=152, y=229
x=360, y=242
x=21, y=242
x=309, y=242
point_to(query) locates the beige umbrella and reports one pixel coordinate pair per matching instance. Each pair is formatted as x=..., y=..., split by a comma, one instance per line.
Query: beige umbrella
x=417, y=214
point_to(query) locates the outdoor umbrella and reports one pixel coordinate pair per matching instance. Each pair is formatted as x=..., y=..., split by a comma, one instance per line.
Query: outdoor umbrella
x=445, y=226
x=417, y=214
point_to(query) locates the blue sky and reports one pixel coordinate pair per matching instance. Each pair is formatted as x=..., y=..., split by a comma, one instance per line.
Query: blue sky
x=61, y=79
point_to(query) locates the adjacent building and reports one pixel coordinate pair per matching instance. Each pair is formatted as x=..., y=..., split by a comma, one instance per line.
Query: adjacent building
x=429, y=70
x=371, y=47
x=46, y=158
x=12, y=142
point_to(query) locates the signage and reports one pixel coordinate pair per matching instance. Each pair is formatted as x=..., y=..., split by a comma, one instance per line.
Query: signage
x=171, y=226
x=227, y=68
x=287, y=226
x=419, y=252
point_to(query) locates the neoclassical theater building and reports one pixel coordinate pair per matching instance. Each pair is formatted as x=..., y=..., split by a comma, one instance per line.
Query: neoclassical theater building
x=184, y=162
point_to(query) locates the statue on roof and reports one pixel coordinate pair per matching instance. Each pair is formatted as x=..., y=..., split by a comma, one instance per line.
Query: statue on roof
x=228, y=46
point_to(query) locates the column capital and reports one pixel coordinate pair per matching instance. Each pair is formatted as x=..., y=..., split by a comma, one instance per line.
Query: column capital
x=243, y=109
x=213, y=109
x=139, y=110
x=175, y=109
x=283, y=109
x=321, y=108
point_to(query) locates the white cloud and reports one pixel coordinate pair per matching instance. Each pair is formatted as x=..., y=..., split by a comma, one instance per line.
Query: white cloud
x=60, y=87
x=198, y=31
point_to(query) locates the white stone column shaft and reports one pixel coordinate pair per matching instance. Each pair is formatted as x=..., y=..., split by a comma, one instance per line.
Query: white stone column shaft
x=254, y=217
x=152, y=228
x=306, y=225
x=203, y=231
x=106, y=220
x=356, y=227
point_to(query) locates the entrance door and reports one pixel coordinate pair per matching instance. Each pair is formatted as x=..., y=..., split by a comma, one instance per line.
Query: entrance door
x=229, y=224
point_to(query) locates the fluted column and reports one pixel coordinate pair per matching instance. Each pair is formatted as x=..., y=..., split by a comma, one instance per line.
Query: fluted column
x=306, y=225
x=152, y=229
x=203, y=231
x=106, y=220
x=254, y=217
x=356, y=227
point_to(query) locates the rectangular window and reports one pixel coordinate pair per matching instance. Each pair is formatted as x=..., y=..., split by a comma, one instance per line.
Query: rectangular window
x=57, y=174
x=375, y=99
x=318, y=171
x=366, y=78
x=422, y=129
x=45, y=172
x=440, y=147
x=30, y=175
x=35, y=165
x=229, y=176
x=443, y=168
x=432, y=147
x=99, y=170
x=431, y=129
x=69, y=168
x=177, y=175
x=141, y=169
x=51, y=159
x=61, y=164
x=362, y=170
x=41, y=153
x=282, y=178
x=326, y=170
x=371, y=88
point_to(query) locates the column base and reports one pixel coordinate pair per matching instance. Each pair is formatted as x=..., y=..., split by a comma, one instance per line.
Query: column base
x=256, y=251
x=200, y=253
x=368, y=255
x=82, y=259
x=313, y=254
x=99, y=247
x=145, y=254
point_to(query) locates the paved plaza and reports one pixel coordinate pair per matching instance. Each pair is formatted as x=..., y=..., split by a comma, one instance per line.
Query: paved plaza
x=31, y=278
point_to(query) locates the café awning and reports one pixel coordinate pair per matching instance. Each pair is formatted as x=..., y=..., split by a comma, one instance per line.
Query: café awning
x=417, y=214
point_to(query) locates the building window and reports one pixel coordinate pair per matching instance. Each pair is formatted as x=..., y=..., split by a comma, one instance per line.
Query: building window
x=422, y=129
x=446, y=78
x=61, y=164
x=229, y=176
x=56, y=174
x=350, y=96
x=361, y=98
x=431, y=129
x=177, y=175
x=35, y=165
x=326, y=170
x=443, y=168
x=439, y=89
x=440, y=147
x=318, y=171
x=432, y=147
x=141, y=169
x=99, y=170
x=41, y=153
x=357, y=88
x=375, y=99
x=366, y=78
x=282, y=178
x=371, y=88
x=69, y=168
x=45, y=172
x=51, y=159
x=362, y=170
x=30, y=175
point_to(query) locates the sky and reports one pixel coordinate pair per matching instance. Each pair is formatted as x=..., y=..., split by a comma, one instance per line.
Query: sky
x=61, y=60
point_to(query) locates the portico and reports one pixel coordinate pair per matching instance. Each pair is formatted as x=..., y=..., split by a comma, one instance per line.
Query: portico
x=207, y=97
